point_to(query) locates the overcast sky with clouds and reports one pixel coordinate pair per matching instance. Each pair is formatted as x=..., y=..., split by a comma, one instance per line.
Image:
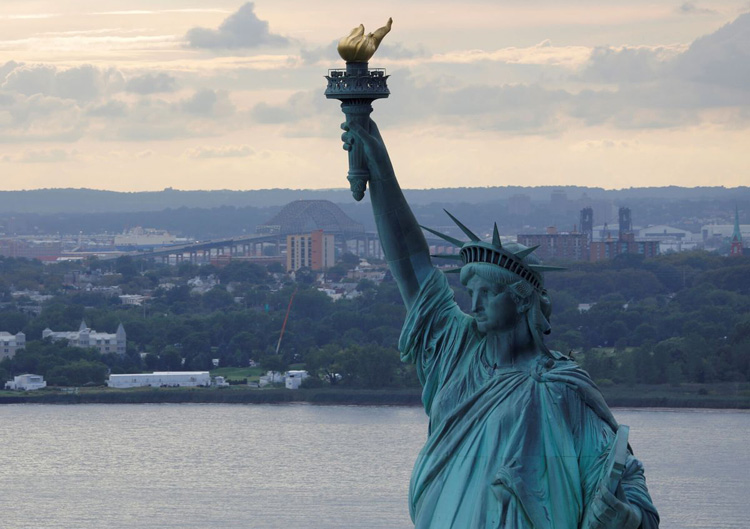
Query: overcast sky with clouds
x=134, y=95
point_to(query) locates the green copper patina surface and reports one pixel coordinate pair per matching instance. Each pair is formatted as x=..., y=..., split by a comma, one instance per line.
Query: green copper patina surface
x=519, y=436
x=357, y=87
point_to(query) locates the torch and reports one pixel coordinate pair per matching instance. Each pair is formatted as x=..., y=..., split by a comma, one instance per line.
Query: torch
x=357, y=87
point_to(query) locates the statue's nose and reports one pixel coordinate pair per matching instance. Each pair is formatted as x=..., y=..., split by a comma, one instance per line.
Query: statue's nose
x=476, y=303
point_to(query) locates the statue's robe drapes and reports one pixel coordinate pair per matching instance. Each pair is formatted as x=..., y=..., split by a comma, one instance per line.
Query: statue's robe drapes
x=507, y=447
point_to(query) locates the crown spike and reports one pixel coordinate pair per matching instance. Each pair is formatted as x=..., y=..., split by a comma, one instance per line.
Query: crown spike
x=523, y=253
x=443, y=236
x=451, y=270
x=452, y=257
x=496, y=237
x=470, y=234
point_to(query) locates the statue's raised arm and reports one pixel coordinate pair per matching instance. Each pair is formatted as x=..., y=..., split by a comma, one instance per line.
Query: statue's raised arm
x=401, y=237
x=520, y=436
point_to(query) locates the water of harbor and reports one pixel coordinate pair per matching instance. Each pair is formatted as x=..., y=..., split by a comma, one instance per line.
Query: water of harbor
x=303, y=466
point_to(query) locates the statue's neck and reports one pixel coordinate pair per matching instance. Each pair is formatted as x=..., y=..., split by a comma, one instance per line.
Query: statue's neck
x=510, y=348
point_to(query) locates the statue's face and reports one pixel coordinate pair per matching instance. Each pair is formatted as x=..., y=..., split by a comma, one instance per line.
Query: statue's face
x=492, y=305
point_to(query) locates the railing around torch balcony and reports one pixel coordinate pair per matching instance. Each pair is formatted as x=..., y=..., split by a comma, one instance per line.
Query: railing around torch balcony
x=344, y=83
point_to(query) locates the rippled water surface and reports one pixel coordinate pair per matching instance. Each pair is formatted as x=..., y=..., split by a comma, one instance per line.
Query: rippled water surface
x=302, y=466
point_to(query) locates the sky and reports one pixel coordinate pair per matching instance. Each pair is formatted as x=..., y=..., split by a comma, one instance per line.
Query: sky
x=134, y=95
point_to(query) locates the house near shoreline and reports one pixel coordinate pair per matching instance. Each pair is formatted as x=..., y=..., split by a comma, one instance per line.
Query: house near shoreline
x=10, y=343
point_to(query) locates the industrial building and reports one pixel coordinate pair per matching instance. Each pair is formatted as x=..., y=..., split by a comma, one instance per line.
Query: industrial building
x=604, y=247
x=293, y=379
x=554, y=245
x=670, y=239
x=609, y=249
x=160, y=379
x=31, y=248
x=596, y=243
x=26, y=382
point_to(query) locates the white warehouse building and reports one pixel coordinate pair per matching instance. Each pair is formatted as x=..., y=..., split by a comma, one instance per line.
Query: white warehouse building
x=26, y=382
x=159, y=379
x=293, y=379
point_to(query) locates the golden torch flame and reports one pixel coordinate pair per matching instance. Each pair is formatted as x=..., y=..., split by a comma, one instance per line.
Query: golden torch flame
x=358, y=47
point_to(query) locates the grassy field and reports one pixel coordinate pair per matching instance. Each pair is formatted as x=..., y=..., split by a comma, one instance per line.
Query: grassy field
x=238, y=373
x=724, y=395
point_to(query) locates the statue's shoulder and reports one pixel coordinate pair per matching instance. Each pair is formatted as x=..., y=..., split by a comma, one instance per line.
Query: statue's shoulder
x=567, y=379
x=565, y=371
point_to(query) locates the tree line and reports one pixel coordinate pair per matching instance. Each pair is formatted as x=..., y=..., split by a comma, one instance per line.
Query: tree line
x=676, y=318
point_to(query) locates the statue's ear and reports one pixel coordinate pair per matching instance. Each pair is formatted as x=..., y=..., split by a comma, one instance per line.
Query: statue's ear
x=522, y=295
x=523, y=304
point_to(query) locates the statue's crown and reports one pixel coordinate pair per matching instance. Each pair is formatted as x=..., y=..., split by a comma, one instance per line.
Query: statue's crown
x=478, y=251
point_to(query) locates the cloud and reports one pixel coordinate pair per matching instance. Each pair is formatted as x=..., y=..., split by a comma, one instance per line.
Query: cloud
x=626, y=64
x=29, y=113
x=396, y=50
x=88, y=43
x=646, y=88
x=40, y=118
x=568, y=86
x=30, y=16
x=298, y=106
x=80, y=83
x=151, y=83
x=208, y=103
x=205, y=113
x=241, y=30
x=721, y=58
x=543, y=53
x=603, y=145
x=29, y=80
x=521, y=108
x=669, y=87
x=689, y=8
x=39, y=156
x=153, y=119
x=226, y=151
x=159, y=11
x=6, y=68
x=322, y=53
x=111, y=109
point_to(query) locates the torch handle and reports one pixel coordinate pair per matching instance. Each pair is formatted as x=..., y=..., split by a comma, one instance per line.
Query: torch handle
x=357, y=112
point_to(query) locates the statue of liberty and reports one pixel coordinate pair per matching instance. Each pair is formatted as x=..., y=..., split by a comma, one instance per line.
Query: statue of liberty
x=519, y=436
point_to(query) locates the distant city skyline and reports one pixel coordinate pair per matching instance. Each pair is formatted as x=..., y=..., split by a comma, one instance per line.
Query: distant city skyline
x=142, y=95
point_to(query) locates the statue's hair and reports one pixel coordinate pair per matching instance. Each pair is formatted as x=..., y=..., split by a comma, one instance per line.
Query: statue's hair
x=489, y=272
x=541, y=308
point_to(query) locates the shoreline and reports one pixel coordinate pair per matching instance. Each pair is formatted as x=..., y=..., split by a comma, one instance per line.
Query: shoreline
x=697, y=396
